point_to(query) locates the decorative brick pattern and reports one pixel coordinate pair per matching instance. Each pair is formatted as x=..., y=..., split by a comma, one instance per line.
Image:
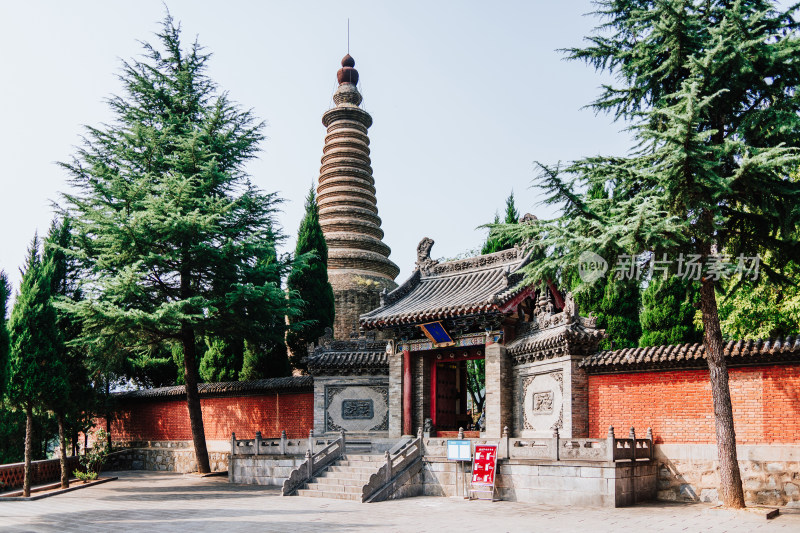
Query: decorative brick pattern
x=677, y=404
x=12, y=475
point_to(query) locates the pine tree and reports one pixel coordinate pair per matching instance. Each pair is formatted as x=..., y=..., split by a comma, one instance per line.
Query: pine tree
x=37, y=375
x=711, y=88
x=309, y=279
x=172, y=232
x=668, y=309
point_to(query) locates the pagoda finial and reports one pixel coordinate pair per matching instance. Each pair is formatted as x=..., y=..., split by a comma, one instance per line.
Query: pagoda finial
x=347, y=74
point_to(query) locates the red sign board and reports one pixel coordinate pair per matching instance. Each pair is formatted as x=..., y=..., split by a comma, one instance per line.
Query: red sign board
x=484, y=464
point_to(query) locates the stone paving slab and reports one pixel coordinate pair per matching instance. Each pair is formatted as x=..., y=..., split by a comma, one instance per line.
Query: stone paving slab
x=165, y=502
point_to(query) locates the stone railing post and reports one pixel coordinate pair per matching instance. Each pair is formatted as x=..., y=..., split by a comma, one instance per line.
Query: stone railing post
x=632, y=436
x=283, y=442
x=556, y=442
x=611, y=444
x=233, y=443
x=343, y=441
x=649, y=436
x=388, y=466
x=258, y=443
x=311, y=441
x=504, y=444
x=460, y=433
x=310, y=463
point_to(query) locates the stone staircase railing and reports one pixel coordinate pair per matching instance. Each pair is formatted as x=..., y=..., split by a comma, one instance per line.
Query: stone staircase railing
x=557, y=448
x=381, y=483
x=281, y=446
x=313, y=464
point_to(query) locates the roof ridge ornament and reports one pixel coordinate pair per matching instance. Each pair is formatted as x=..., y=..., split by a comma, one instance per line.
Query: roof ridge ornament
x=424, y=261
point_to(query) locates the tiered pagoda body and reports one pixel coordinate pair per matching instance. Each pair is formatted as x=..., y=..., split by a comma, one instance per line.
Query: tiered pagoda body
x=359, y=268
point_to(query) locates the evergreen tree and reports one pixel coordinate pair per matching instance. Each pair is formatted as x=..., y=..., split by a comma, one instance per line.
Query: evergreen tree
x=265, y=356
x=5, y=344
x=496, y=242
x=711, y=86
x=172, y=232
x=668, y=309
x=74, y=403
x=217, y=363
x=37, y=374
x=309, y=279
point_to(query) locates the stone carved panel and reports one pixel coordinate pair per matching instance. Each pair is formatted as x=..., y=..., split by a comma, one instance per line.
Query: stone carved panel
x=543, y=401
x=356, y=408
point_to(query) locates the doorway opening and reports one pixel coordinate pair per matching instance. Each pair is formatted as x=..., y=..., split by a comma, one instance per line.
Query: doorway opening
x=457, y=394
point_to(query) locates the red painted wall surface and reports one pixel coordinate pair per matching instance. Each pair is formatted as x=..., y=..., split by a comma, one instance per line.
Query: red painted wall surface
x=168, y=419
x=677, y=404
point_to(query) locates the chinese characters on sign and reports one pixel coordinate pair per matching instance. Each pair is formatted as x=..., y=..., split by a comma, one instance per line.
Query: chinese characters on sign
x=484, y=464
x=689, y=266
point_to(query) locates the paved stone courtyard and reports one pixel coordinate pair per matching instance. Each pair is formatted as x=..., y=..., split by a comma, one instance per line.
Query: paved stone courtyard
x=154, y=502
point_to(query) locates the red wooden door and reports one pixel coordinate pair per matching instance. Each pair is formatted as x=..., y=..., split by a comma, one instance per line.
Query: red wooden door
x=446, y=397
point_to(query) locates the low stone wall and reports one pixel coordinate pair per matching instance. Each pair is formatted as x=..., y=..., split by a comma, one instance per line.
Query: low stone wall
x=262, y=469
x=572, y=482
x=166, y=456
x=689, y=472
x=558, y=483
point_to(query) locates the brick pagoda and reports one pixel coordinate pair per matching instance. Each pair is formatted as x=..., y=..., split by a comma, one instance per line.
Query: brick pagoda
x=359, y=268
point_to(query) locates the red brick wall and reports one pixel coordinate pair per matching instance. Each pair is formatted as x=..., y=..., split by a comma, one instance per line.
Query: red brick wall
x=677, y=404
x=168, y=419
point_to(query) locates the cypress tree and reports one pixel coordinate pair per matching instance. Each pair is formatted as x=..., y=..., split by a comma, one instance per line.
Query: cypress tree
x=217, y=363
x=37, y=375
x=72, y=405
x=496, y=242
x=173, y=233
x=711, y=87
x=264, y=355
x=309, y=280
x=668, y=309
x=5, y=344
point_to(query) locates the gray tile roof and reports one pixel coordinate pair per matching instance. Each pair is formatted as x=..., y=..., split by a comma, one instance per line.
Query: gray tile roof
x=692, y=356
x=349, y=357
x=226, y=388
x=435, y=291
x=578, y=337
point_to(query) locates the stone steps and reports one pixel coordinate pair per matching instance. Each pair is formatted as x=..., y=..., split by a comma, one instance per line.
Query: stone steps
x=344, y=479
x=333, y=495
x=332, y=487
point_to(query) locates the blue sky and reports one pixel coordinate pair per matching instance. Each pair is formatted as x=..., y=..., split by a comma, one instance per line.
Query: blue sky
x=465, y=96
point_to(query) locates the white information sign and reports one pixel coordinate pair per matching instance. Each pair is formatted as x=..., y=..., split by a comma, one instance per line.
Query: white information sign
x=459, y=450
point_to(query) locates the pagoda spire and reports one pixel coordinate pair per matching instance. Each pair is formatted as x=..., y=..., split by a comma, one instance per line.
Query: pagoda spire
x=359, y=268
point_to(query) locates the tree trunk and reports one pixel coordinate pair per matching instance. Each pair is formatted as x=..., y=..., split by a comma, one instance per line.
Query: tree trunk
x=730, y=490
x=193, y=400
x=62, y=444
x=26, y=482
x=109, y=414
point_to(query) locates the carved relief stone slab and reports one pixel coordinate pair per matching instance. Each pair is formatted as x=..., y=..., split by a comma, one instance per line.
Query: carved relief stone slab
x=543, y=401
x=357, y=408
